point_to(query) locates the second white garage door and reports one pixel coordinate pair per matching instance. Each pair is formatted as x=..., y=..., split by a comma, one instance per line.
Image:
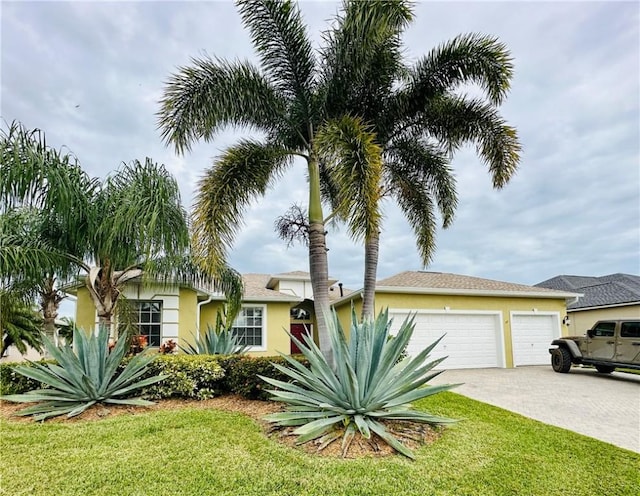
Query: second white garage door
x=472, y=340
x=532, y=334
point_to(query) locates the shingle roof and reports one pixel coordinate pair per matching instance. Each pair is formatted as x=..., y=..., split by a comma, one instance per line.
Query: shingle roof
x=255, y=287
x=294, y=273
x=613, y=289
x=446, y=281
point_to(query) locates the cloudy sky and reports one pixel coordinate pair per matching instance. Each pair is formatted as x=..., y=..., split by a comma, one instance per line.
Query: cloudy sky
x=90, y=74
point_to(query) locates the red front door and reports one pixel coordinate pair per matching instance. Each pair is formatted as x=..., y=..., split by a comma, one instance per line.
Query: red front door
x=299, y=331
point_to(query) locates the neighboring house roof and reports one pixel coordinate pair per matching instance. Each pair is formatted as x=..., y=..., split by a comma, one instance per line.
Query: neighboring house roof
x=605, y=291
x=423, y=282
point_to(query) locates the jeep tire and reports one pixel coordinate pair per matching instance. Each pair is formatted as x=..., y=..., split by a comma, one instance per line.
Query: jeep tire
x=561, y=360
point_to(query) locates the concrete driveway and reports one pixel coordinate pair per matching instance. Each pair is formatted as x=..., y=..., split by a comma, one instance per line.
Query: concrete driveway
x=605, y=407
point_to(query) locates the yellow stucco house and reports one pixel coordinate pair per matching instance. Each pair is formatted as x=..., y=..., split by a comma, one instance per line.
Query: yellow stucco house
x=271, y=304
x=486, y=323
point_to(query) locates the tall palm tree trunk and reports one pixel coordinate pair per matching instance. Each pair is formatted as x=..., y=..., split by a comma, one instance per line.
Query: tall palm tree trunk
x=371, y=252
x=318, y=264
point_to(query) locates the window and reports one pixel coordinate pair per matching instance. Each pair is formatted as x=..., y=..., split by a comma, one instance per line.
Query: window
x=630, y=330
x=147, y=317
x=604, y=329
x=249, y=326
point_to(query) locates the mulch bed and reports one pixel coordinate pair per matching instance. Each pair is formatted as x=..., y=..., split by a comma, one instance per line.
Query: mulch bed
x=412, y=434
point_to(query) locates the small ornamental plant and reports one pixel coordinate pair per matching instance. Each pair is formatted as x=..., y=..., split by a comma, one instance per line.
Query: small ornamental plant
x=168, y=347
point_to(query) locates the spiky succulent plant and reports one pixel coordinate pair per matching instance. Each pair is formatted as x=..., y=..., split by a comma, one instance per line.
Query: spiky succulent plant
x=368, y=385
x=83, y=377
x=214, y=341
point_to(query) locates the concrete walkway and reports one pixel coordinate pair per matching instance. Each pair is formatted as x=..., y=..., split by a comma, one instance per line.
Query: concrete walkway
x=605, y=407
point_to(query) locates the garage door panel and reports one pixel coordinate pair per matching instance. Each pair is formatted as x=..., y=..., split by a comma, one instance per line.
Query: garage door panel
x=470, y=340
x=531, y=336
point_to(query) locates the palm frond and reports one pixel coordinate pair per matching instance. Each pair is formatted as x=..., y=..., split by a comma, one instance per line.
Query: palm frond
x=362, y=57
x=414, y=196
x=469, y=58
x=243, y=172
x=147, y=213
x=414, y=160
x=456, y=120
x=20, y=324
x=201, y=99
x=280, y=38
x=354, y=160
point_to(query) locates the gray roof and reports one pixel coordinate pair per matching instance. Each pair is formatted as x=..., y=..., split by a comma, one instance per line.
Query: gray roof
x=613, y=289
x=424, y=282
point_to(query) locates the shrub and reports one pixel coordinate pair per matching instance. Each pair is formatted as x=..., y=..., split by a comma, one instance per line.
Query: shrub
x=367, y=385
x=243, y=374
x=83, y=378
x=187, y=376
x=12, y=382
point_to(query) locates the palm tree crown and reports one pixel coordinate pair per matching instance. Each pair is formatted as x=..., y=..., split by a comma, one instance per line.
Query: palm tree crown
x=419, y=117
x=284, y=100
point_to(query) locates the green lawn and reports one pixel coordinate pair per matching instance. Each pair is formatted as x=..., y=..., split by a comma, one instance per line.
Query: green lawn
x=197, y=452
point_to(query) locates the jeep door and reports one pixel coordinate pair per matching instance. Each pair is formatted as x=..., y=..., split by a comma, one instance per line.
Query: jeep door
x=628, y=344
x=602, y=342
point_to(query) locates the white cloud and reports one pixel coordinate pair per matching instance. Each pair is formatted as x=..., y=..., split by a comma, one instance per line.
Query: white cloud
x=91, y=73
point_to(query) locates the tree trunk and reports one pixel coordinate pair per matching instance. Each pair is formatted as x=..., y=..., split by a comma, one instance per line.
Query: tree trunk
x=103, y=294
x=50, y=299
x=318, y=264
x=371, y=251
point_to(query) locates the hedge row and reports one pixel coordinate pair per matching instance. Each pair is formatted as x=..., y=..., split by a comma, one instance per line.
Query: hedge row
x=189, y=376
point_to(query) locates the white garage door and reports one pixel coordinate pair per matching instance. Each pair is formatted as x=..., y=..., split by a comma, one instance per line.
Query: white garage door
x=471, y=341
x=532, y=334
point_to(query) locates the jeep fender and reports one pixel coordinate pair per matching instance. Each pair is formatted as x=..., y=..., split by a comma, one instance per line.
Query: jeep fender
x=570, y=345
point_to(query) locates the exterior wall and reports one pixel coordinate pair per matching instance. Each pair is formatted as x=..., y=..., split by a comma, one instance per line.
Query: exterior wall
x=178, y=308
x=188, y=307
x=583, y=320
x=12, y=354
x=505, y=305
x=170, y=298
x=277, y=320
x=86, y=318
x=301, y=289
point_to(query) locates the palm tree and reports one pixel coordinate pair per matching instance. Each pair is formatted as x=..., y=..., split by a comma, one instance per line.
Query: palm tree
x=283, y=100
x=20, y=324
x=130, y=225
x=418, y=116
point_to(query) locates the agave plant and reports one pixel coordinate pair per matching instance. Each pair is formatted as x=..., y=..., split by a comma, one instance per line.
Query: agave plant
x=214, y=341
x=84, y=377
x=369, y=384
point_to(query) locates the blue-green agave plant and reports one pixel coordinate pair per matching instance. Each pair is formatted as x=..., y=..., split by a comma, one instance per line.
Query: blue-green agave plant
x=369, y=384
x=84, y=377
x=216, y=342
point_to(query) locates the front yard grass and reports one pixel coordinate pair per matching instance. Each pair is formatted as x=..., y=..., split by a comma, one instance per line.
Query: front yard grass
x=200, y=452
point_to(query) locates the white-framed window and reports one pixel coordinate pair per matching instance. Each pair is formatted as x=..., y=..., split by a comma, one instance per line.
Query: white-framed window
x=147, y=317
x=250, y=326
